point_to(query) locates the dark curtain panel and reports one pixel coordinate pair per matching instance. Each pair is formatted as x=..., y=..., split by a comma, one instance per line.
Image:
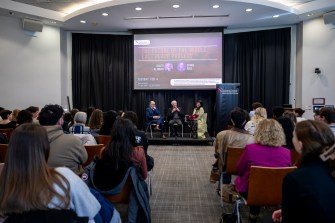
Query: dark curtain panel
x=102, y=74
x=260, y=62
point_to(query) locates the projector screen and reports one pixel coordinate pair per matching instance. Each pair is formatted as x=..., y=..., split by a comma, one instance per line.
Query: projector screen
x=177, y=61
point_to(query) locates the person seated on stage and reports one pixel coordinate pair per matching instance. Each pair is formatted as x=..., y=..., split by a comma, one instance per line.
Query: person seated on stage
x=175, y=117
x=153, y=116
x=200, y=120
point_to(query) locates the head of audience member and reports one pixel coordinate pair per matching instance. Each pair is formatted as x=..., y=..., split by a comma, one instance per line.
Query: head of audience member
x=30, y=185
x=327, y=115
x=260, y=114
x=120, y=113
x=122, y=142
x=299, y=112
x=1, y=108
x=174, y=104
x=80, y=117
x=14, y=115
x=68, y=117
x=96, y=119
x=132, y=116
x=4, y=114
x=277, y=112
x=90, y=111
x=24, y=116
x=316, y=115
x=291, y=116
x=34, y=110
x=198, y=104
x=108, y=122
x=51, y=115
x=269, y=133
x=74, y=111
x=313, y=138
x=288, y=127
x=152, y=104
x=238, y=118
x=256, y=105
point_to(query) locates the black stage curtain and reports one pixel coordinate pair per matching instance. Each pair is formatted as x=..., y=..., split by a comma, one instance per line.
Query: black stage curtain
x=102, y=74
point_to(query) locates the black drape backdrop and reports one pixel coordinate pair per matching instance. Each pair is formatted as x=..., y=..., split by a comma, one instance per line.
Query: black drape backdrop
x=102, y=74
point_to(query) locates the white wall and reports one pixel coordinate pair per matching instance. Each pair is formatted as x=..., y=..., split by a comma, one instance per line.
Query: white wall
x=318, y=52
x=30, y=70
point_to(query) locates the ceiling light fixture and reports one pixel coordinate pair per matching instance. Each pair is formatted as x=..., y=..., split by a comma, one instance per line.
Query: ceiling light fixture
x=82, y=21
x=310, y=14
x=105, y=14
x=138, y=8
x=275, y=16
x=248, y=10
x=215, y=6
x=176, y=6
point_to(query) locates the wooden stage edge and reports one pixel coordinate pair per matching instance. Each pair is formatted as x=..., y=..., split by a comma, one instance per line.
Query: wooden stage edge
x=186, y=140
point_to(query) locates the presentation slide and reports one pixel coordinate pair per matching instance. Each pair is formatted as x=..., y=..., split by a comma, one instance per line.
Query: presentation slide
x=177, y=61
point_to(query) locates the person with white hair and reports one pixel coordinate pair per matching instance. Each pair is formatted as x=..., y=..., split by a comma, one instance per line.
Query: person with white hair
x=80, y=130
x=175, y=117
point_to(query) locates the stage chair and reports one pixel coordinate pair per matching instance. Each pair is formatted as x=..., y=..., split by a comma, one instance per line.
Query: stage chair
x=7, y=132
x=3, y=152
x=150, y=128
x=182, y=129
x=104, y=139
x=92, y=151
x=265, y=186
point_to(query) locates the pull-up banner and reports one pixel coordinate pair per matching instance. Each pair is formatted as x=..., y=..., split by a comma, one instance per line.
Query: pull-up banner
x=226, y=101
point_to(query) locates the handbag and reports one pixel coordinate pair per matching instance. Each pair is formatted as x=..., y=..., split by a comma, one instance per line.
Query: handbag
x=88, y=173
x=229, y=193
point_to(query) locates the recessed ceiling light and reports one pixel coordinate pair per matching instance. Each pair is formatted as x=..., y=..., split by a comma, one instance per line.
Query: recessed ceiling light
x=82, y=21
x=105, y=14
x=248, y=10
x=215, y=6
x=53, y=22
x=275, y=16
x=138, y=8
x=310, y=14
x=176, y=6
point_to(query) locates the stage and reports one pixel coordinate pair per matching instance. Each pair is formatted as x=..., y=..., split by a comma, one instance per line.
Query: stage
x=185, y=140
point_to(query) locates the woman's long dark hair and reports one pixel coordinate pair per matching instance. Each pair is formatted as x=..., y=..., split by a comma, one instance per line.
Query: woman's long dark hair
x=26, y=182
x=122, y=142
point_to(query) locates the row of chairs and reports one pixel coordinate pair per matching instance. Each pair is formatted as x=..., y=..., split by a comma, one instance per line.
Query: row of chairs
x=265, y=183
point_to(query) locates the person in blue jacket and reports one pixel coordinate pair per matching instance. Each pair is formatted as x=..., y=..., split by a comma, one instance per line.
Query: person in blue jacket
x=154, y=117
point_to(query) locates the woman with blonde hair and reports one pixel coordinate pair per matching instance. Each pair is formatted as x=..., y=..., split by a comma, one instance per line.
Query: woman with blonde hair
x=259, y=115
x=267, y=151
x=308, y=193
x=28, y=184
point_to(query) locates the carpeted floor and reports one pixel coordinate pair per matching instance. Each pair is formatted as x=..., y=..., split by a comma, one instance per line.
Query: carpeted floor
x=181, y=188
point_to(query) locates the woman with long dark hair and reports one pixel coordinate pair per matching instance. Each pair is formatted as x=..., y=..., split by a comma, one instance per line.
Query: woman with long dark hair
x=28, y=184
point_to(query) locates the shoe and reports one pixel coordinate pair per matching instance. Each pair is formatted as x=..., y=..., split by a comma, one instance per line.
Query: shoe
x=157, y=128
x=163, y=136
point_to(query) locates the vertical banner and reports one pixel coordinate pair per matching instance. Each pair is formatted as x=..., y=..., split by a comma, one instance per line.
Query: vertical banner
x=226, y=100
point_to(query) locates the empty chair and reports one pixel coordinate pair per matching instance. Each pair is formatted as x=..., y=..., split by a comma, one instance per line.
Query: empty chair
x=92, y=151
x=104, y=139
x=3, y=152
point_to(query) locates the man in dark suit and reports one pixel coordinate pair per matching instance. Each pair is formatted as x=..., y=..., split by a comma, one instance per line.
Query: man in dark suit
x=154, y=117
x=175, y=117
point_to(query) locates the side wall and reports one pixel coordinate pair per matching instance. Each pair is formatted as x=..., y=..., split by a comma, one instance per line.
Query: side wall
x=29, y=65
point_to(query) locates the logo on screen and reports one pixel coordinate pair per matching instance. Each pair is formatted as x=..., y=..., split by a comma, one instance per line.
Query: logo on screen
x=141, y=42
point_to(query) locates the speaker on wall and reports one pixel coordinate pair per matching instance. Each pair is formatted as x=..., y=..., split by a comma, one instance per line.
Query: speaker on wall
x=329, y=17
x=32, y=25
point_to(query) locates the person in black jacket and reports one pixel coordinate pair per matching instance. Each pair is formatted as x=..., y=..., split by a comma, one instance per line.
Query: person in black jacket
x=175, y=117
x=308, y=193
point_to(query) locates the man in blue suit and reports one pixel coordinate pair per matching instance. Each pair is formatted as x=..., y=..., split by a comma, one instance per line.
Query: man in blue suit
x=153, y=116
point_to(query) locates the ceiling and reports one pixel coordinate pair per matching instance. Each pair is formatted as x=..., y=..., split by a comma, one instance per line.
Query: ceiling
x=122, y=15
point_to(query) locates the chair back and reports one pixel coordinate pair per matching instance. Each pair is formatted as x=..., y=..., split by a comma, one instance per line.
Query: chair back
x=92, y=150
x=1, y=167
x=104, y=139
x=233, y=156
x=7, y=132
x=265, y=185
x=295, y=157
x=3, y=152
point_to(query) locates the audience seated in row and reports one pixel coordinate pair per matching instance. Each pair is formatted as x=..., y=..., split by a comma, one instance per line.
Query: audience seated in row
x=259, y=114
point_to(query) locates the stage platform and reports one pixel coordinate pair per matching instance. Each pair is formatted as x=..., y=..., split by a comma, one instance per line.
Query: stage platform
x=185, y=140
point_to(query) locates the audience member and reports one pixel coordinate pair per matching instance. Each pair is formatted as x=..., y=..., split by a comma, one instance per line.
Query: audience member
x=291, y=116
x=1, y=108
x=316, y=115
x=89, y=112
x=28, y=184
x=288, y=127
x=65, y=149
x=96, y=121
x=201, y=121
x=140, y=138
x=254, y=106
x=237, y=136
x=79, y=125
x=5, y=123
x=14, y=115
x=24, y=116
x=175, y=118
x=259, y=115
x=277, y=112
x=35, y=111
x=68, y=122
x=154, y=117
x=267, y=152
x=120, y=114
x=108, y=122
x=74, y=111
x=308, y=193
x=299, y=112
x=327, y=115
